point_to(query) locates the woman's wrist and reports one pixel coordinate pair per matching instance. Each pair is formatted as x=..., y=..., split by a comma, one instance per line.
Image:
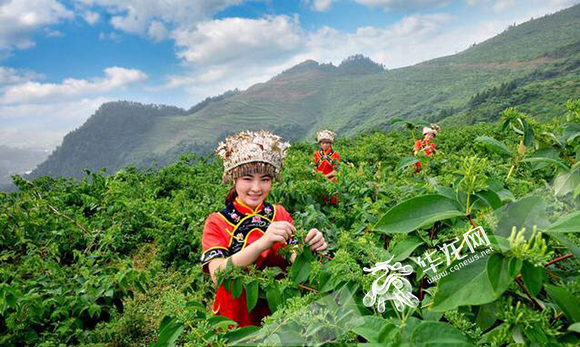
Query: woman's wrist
x=260, y=244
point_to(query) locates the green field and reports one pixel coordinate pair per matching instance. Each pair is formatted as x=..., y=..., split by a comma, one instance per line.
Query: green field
x=113, y=260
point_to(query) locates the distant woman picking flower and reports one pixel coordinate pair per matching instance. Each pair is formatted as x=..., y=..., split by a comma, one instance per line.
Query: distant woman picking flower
x=326, y=159
x=425, y=146
x=249, y=230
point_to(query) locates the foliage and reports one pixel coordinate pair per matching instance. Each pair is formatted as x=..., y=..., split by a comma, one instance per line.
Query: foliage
x=114, y=259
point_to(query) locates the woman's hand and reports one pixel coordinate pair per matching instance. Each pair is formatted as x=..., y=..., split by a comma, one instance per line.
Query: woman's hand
x=276, y=232
x=315, y=240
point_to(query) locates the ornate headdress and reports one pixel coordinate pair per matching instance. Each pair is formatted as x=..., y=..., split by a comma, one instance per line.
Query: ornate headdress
x=433, y=129
x=325, y=135
x=251, y=152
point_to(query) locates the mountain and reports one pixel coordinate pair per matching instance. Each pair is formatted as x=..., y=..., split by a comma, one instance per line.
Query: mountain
x=534, y=66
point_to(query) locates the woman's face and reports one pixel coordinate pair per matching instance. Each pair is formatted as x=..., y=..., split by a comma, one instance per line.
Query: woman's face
x=325, y=145
x=253, y=189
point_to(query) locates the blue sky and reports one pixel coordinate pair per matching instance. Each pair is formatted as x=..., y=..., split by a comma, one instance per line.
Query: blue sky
x=61, y=59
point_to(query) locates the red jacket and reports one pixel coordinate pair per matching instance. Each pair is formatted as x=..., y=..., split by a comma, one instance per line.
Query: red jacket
x=228, y=232
x=326, y=161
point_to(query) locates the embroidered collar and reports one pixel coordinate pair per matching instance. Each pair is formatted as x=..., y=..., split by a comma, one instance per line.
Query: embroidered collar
x=237, y=212
x=245, y=209
x=328, y=151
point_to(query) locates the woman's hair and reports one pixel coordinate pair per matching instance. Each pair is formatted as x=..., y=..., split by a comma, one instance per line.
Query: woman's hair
x=231, y=196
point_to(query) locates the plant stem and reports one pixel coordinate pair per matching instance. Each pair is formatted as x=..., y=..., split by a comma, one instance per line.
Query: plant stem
x=472, y=222
x=510, y=173
x=558, y=259
x=198, y=334
x=307, y=288
x=523, y=288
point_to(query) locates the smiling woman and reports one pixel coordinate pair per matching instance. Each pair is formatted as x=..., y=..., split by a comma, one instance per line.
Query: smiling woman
x=249, y=230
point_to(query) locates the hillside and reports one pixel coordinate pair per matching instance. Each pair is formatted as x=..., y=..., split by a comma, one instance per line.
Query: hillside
x=539, y=61
x=119, y=255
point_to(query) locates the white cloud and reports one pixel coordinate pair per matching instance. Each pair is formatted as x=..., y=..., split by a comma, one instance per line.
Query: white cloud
x=539, y=6
x=320, y=5
x=157, y=31
x=30, y=92
x=233, y=41
x=9, y=76
x=20, y=19
x=53, y=33
x=503, y=5
x=136, y=16
x=44, y=125
x=113, y=36
x=91, y=17
x=401, y=4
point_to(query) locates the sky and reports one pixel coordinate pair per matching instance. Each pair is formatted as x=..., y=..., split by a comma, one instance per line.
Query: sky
x=61, y=59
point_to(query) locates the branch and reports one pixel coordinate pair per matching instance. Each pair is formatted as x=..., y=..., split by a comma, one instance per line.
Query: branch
x=307, y=288
x=523, y=288
x=558, y=259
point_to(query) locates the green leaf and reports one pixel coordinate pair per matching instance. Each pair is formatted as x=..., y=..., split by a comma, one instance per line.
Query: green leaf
x=565, y=301
x=533, y=277
x=491, y=198
x=238, y=334
x=548, y=161
x=434, y=334
x=406, y=162
x=515, y=265
x=252, y=295
x=571, y=132
x=498, y=272
x=569, y=223
x=486, y=316
x=195, y=305
x=417, y=212
x=528, y=134
x=467, y=286
x=237, y=288
x=558, y=140
x=574, y=327
x=169, y=330
x=220, y=322
x=404, y=248
x=371, y=328
x=494, y=145
x=445, y=191
x=274, y=298
x=300, y=269
x=543, y=153
x=387, y=332
x=575, y=250
x=566, y=182
x=523, y=213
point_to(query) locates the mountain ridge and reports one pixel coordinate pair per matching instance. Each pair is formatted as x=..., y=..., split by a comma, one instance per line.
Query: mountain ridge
x=352, y=99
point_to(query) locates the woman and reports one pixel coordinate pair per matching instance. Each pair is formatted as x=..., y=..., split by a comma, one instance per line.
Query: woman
x=326, y=159
x=249, y=230
x=425, y=145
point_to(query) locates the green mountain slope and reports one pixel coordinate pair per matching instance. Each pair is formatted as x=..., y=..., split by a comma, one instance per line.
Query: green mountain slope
x=538, y=60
